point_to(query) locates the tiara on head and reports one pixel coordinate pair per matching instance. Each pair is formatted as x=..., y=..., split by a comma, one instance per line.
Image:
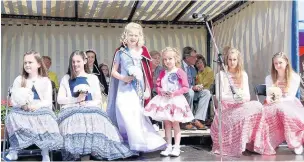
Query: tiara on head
x=91, y=50
x=85, y=55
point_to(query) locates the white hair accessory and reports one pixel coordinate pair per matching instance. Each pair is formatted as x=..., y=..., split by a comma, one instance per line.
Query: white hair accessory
x=85, y=55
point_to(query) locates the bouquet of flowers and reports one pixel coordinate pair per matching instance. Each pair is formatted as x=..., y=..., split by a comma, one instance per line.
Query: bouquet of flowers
x=274, y=94
x=81, y=88
x=135, y=71
x=22, y=96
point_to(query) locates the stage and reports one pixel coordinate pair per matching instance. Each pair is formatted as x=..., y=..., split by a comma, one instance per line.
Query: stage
x=201, y=153
x=196, y=146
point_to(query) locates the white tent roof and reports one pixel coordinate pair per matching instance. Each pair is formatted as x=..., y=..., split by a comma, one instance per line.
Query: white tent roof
x=118, y=10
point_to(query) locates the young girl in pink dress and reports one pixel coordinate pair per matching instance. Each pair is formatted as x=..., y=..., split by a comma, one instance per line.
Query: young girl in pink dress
x=241, y=118
x=170, y=105
x=285, y=118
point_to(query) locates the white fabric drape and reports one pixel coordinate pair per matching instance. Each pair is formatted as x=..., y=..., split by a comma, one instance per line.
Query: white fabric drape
x=259, y=30
x=60, y=41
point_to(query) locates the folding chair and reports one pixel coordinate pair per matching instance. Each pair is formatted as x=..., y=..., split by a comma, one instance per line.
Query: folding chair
x=56, y=109
x=55, y=104
x=5, y=147
x=260, y=90
x=54, y=96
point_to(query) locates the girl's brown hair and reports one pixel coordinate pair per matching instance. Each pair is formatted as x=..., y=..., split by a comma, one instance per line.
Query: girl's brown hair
x=71, y=72
x=42, y=71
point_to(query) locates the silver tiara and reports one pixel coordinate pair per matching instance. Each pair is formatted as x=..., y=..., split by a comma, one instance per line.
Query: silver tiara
x=85, y=55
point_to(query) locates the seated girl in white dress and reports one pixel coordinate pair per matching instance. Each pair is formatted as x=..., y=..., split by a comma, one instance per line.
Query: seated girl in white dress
x=284, y=118
x=241, y=118
x=86, y=129
x=31, y=120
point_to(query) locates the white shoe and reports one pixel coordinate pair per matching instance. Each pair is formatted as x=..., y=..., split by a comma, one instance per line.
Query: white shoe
x=46, y=158
x=12, y=155
x=175, y=152
x=298, y=150
x=156, y=127
x=45, y=155
x=167, y=151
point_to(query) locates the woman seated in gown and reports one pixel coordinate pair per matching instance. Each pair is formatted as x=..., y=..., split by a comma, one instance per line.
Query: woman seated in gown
x=285, y=116
x=241, y=118
x=86, y=129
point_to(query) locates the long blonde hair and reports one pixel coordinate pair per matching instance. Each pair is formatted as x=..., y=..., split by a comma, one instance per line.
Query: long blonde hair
x=42, y=71
x=239, y=67
x=288, y=70
x=124, y=35
x=177, y=56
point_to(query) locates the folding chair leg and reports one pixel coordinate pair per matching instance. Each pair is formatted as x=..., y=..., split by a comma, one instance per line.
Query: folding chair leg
x=257, y=98
x=283, y=144
x=51, y=156
x=4, y=144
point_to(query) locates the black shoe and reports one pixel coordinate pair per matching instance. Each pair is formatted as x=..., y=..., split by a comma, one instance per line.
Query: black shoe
x=188, y=126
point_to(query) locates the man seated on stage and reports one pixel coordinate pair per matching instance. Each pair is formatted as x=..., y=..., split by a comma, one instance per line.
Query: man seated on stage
x=188, y=62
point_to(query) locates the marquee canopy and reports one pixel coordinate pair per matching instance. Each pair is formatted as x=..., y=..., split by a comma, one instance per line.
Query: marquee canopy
x=118, y=11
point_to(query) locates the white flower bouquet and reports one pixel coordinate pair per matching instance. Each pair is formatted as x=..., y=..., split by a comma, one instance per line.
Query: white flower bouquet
x=81, y=88
x=274, y=94
x=22, y=96
x=135, y=71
